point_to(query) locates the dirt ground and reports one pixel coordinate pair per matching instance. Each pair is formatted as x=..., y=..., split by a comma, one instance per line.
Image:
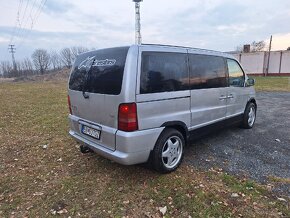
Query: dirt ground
x=261, y=153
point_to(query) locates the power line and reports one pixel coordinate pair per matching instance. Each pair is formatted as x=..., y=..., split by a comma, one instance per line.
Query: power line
x=20, y=21
x=33, y=20
x=32, y=17
x=33, y=6
x=23, y=25
x=19, y=9
x=40, y=9
x=12, y=50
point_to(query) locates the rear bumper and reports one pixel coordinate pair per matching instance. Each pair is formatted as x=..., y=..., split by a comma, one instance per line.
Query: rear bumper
x=131, y=147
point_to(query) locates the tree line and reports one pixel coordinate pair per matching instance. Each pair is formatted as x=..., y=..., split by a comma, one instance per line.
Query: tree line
x=41, y=62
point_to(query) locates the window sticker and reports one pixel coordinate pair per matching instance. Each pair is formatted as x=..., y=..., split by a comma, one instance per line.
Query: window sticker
x=91, y=62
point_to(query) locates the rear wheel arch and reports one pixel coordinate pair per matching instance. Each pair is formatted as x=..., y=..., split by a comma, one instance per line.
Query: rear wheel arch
x=178, y=125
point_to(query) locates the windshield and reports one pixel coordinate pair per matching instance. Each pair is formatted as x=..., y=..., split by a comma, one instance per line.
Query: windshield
x=99, y=71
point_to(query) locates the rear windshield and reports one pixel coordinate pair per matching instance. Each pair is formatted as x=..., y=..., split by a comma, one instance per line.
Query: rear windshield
x=99, y=71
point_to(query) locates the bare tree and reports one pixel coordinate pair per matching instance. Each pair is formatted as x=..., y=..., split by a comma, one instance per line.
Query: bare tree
x=258, y=46
x=41, y=60
x=77, y=50
x=27, y=66
x=55, y=60
x=19, y=69
x=66, y=57
x=6, y=69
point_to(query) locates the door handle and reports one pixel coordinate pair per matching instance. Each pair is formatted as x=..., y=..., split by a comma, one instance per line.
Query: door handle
x=230, y=96
x=222, y=97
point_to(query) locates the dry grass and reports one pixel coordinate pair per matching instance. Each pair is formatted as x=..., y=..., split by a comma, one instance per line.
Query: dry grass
x=37, y=182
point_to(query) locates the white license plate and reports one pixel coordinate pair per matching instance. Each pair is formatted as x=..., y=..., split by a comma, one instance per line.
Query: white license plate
x=91, y=132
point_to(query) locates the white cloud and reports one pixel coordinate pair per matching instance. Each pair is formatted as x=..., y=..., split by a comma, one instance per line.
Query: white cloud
x=213, y=24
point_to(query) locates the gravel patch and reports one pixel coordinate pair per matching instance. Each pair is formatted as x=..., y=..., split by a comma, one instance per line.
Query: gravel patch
x=258, y=153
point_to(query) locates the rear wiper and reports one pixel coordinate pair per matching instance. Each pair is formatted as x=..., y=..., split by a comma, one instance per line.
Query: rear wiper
x=86, y=95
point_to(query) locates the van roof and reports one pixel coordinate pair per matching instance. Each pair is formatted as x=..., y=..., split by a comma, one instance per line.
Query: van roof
x=197, y=50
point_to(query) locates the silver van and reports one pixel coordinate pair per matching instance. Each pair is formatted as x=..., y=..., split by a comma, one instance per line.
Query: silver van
x=142, y=103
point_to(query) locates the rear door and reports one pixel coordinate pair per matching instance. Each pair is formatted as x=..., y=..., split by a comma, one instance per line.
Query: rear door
x=94, y=88
x=208, y=89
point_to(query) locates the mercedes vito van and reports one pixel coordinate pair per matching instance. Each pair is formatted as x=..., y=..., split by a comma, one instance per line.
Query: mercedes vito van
x=142, y=103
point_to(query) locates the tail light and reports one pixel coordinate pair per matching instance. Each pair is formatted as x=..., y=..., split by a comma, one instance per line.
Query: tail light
x=127, y=117
x=69, y=104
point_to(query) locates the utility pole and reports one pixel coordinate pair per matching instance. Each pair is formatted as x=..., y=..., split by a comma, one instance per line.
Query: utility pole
x=12, y=50
x=138, y=38
x=269, y=53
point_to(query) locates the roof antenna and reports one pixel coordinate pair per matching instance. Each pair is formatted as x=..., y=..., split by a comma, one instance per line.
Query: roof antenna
x=138, y=38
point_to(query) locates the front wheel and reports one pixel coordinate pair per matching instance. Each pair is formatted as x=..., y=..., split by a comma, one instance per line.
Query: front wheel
x=249, y=116
x=168, y=151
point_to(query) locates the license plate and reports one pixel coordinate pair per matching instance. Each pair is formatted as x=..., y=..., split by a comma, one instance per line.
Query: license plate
x=91, y=132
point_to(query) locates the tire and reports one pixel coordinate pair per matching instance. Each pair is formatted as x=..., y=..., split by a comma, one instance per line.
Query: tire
x=84, y=149
x=249, y=117
x=168, y=151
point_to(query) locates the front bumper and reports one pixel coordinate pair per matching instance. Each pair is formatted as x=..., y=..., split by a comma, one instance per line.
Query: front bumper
x=131, y=147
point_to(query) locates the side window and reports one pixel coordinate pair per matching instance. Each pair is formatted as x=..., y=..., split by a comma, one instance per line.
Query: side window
x=236, y=75
x=163, y=72
x=207, y=72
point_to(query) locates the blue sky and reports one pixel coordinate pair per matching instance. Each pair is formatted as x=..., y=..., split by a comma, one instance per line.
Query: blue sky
x=213, y=24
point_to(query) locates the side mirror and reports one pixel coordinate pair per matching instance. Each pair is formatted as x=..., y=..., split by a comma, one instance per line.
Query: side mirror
x=250, y=82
